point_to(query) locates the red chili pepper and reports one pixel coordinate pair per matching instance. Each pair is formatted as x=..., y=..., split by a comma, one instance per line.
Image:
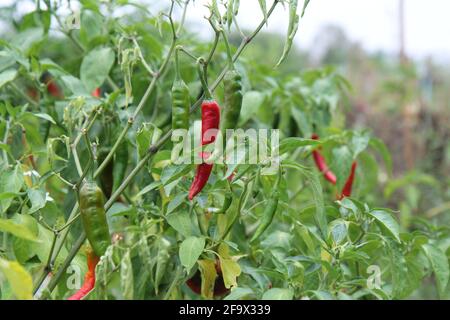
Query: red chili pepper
x=210, y=121
x=347, y=190
x=89, y=278
x=201, y=177
x=52, y=88
x=97, y=93
x=321, y=164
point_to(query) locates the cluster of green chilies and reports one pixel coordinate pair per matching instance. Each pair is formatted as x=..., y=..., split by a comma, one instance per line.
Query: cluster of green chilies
x=152, y=150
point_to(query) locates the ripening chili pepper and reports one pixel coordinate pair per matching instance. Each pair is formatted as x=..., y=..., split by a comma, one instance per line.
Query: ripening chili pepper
x=180, y=100
x=210, y=121
x=89, y=278
x=210, y=111
x=120, y=165
x=93, y=217
x=269, y=211
x=322, y=165
x=97, y=93
x=195, y=283
x=201, y=177
x=52, y=88
x=232, y=82
x=347, y=190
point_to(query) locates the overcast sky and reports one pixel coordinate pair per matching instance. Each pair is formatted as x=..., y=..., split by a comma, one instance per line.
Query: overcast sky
x=373, y=23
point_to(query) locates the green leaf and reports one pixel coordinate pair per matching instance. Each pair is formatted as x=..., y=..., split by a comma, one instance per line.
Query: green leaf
x=293, y=143
x=176, y=202
x=19, y=279
x=209, y=274
x=190, y=250
x=174, y=172
x=126, y=277
x=6, y=60
x=278, y=294
x=292, y=30
x=74, y=85
x=11, y=181
x=152, y=186
x=239, y=293
x=147, y=135
x=96, y=66
x=359, y=143
x=305, y=5
x=251, y=103
x=263, y=6
x=338, y=230
x=439, y=263
x=386, y=220
x=91, y=25
x=342, y=162
x=7, y=76
x=182, y=223
x=379, y=145
x=317, y=192
x=230, y=268
x=26, y=40
x=37, y=198
x=18, y=230
x=45, y=117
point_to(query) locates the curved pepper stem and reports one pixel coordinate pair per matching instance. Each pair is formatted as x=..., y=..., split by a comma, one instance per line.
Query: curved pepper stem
x=201, y=68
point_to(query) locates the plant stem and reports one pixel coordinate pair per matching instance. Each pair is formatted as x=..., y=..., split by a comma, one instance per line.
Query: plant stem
x=174, y=282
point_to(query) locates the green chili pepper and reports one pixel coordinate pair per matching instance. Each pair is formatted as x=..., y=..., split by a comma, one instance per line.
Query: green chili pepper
x=232, y=82
x=226, y=203
x=269, y=213
x=180, y=100
x=162, y=260
x=93, y=217
x=232, y=100
x=120, y=165
x=270, y=210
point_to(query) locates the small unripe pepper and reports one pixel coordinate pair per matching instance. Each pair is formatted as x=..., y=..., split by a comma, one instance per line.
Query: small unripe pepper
x=232, y=82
